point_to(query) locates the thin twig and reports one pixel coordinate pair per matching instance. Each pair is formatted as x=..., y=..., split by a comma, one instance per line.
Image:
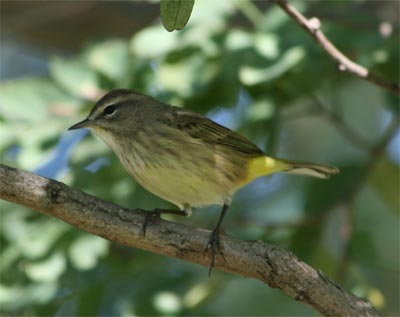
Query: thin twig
x=272, y=265
x=388, y=135
x=313, y=27
x=341, y=126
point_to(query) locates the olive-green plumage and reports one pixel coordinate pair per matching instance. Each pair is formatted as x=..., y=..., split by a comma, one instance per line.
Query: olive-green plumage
x=182, y=156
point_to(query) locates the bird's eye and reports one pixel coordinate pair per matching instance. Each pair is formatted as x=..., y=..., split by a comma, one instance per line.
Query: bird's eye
x=109, y=109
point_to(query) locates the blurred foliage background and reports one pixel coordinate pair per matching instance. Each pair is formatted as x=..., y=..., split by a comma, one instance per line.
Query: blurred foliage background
x=244, y=64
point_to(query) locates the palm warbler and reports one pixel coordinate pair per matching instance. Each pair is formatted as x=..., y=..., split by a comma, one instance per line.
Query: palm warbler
x=182, y=156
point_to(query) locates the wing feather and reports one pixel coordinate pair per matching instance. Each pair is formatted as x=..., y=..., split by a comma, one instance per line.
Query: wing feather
x=199, y=127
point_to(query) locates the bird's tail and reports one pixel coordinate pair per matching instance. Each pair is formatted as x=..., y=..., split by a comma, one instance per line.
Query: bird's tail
x=310, y=169
x=265, y=165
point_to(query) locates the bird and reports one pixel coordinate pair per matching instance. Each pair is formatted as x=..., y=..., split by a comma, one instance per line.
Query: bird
x=182, y=156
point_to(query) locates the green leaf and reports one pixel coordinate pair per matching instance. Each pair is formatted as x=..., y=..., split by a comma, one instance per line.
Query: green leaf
x=33, y=239
x=48, y=270
x=86, y=250
x=252, y=76
x=261, y=110
x=30, y=99
x=29, y=295
x=175, y=13
x=110, y=58
x=143, y=42
x=238, y=39
x=211, y=14
x=75, y=76
x=266, y=44
x=186, y=76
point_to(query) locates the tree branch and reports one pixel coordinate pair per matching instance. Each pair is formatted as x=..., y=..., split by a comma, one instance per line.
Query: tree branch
x=312, y=26
x=270, y=264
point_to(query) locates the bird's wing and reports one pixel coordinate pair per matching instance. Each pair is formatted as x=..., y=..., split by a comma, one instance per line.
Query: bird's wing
x=199, y=127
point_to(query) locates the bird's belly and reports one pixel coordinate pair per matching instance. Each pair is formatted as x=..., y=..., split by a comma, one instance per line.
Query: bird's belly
x=182, y=186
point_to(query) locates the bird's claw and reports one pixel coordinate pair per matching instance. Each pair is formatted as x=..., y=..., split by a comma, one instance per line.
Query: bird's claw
x=150, y=217
x=214, y=243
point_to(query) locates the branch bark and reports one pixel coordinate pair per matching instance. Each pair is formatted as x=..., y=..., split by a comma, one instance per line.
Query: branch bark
x=312, y=26
x=272, y=265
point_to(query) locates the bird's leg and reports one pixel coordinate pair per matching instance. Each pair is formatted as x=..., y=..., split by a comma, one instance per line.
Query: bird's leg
x=156, y=213
x=214, y=241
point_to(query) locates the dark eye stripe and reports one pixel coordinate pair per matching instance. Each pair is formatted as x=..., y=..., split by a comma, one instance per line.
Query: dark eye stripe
x=109, y=109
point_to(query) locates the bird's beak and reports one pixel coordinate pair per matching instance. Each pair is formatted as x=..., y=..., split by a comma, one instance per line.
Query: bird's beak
x=83, y=124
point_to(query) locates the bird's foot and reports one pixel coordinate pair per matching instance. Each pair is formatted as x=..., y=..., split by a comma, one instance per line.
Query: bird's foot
x=214, y=244
x=150, y=217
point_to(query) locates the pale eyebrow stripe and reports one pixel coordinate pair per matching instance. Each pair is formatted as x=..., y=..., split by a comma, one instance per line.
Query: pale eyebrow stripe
x=114, y=101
